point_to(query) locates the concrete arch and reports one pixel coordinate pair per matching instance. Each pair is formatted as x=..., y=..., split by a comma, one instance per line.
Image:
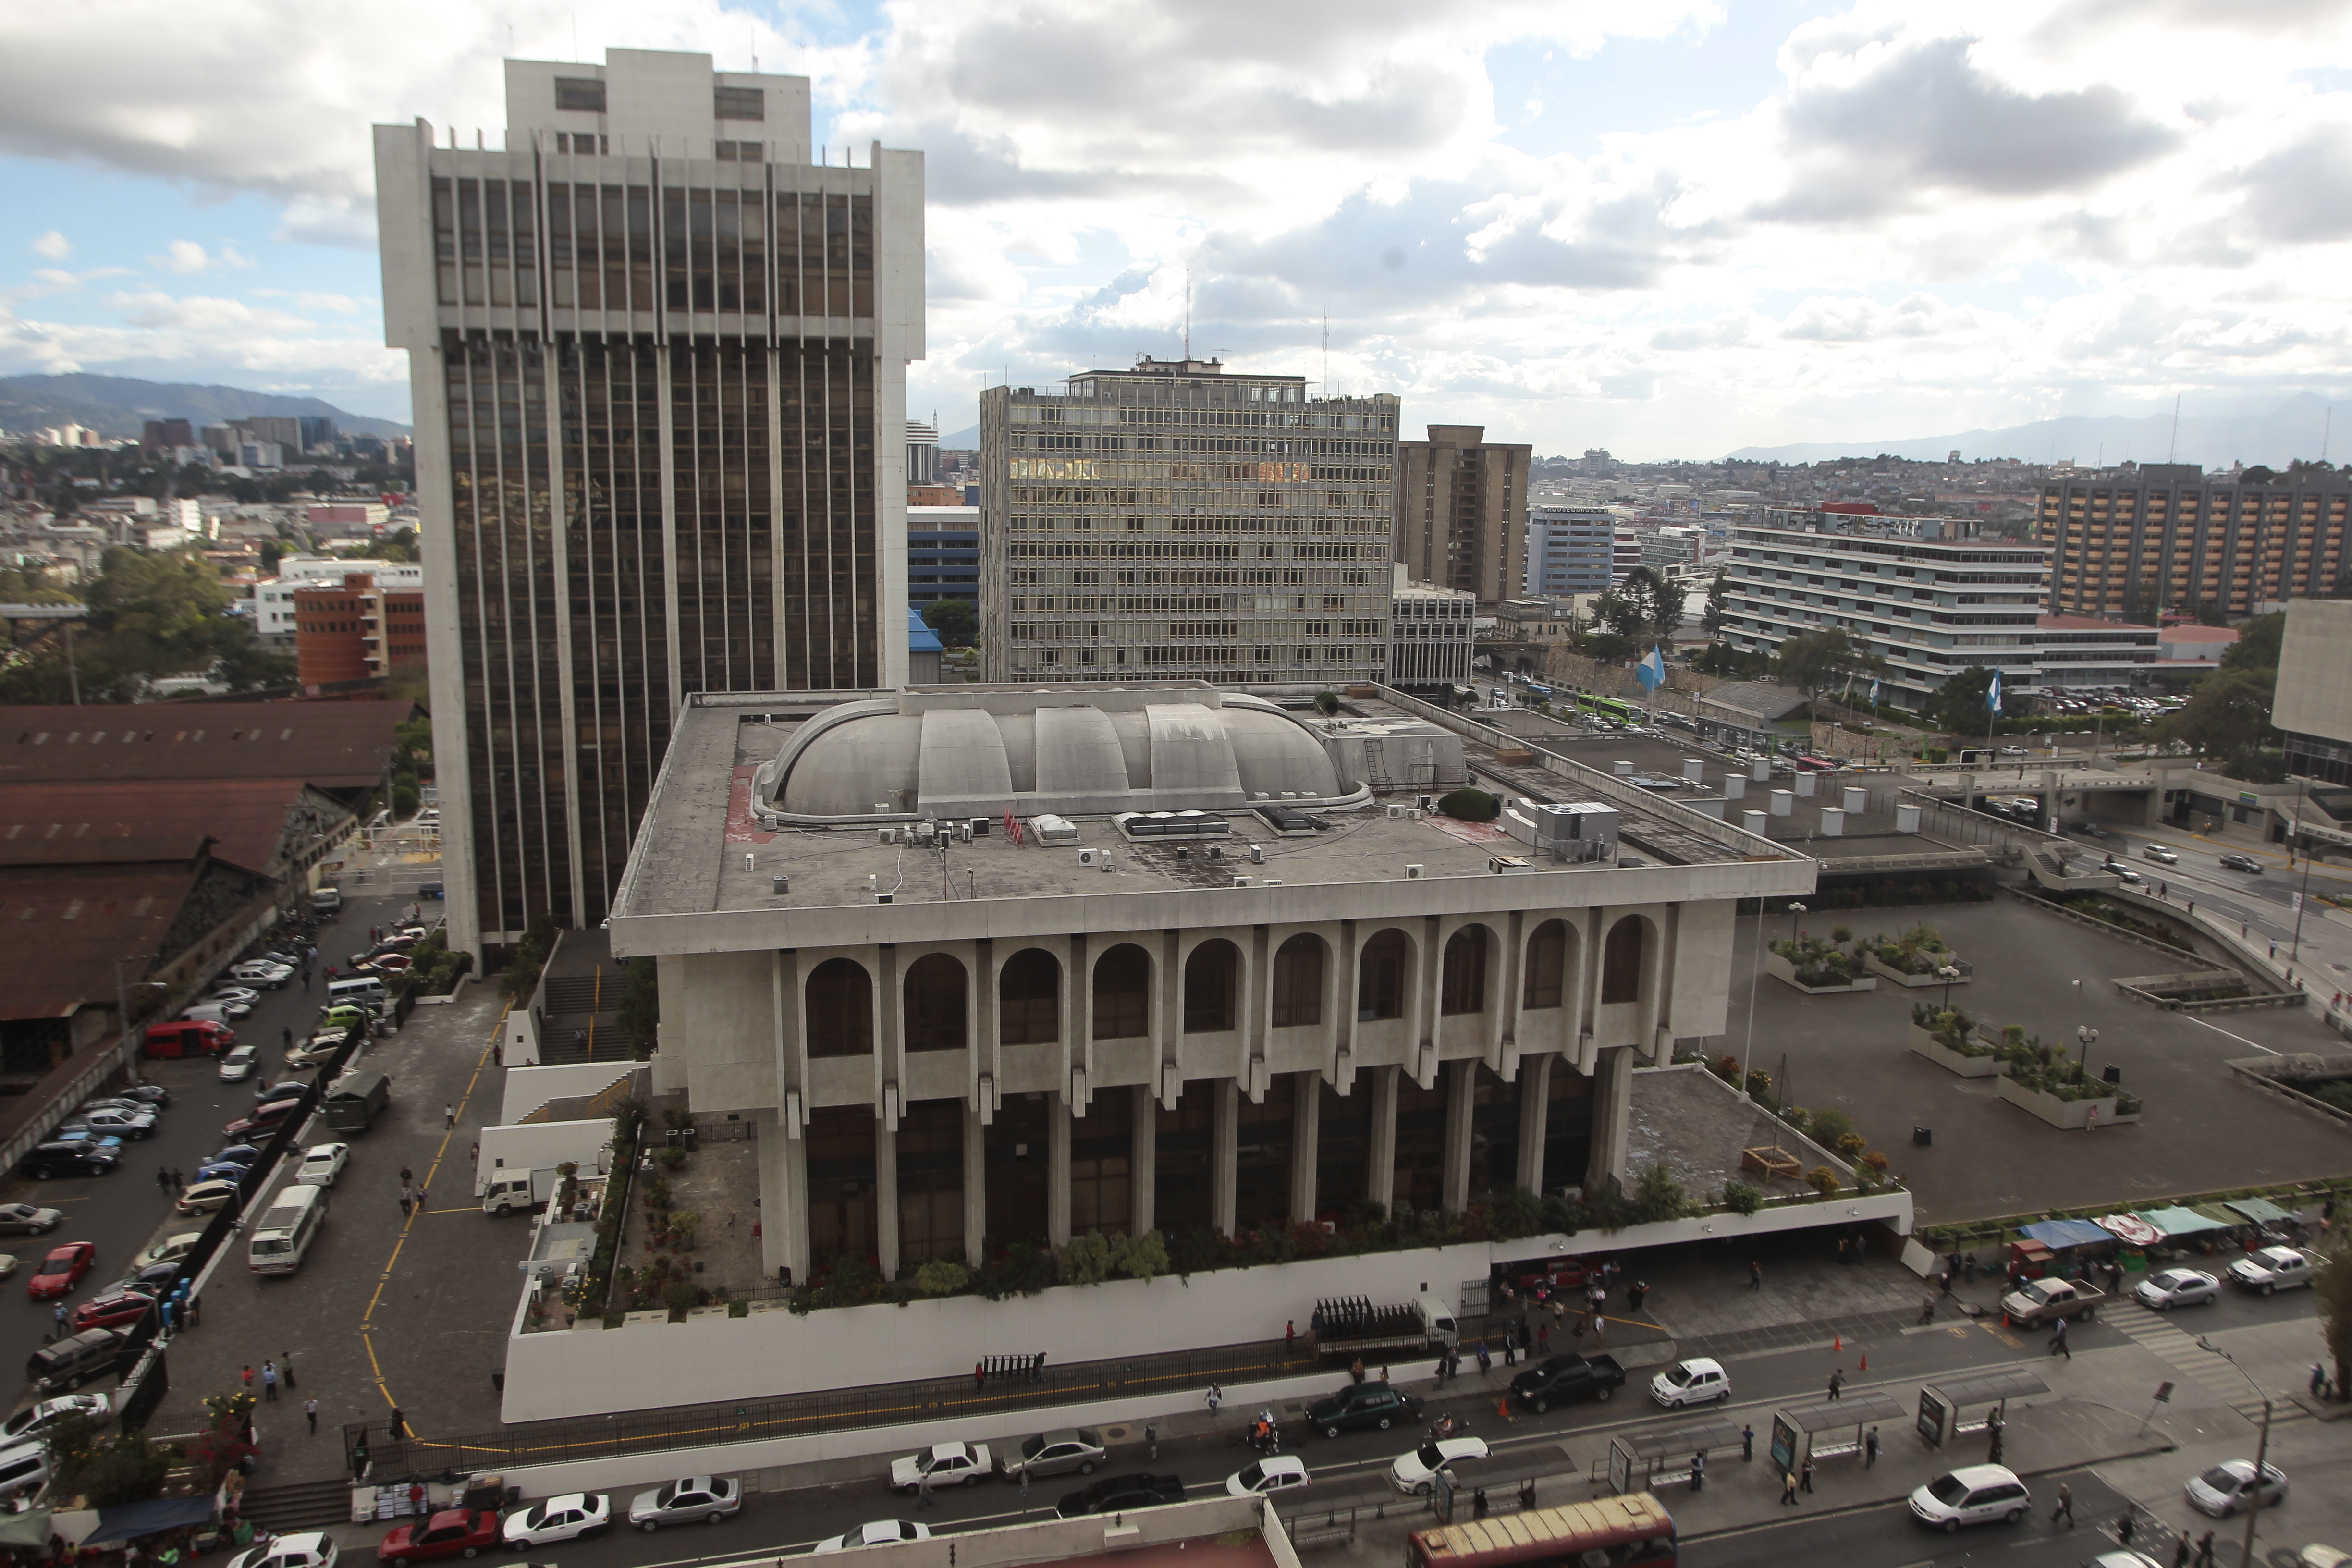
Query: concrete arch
x=1301, y=970
x=1122, y=992
x=1213, y=987
x=839, y=999
x=1029, y=998
x=936, y=1002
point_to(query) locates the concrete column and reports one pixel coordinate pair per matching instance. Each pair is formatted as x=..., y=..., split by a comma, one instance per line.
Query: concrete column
x=985, y=1048
x=1143, y=1161
x=890, y=1031
x=975, y=1184
x=1380, y=1178
x=1612, y=1090
x=1426, y=1002
x=1339, y=993
x=1256, y=1004
x=1460, y=1100
x=1057, y=1169
x=1535, y=1094
x=885, y=1197
x=1305, y=1124
x=783, y=1204
x=1506, y=1007
x=1225, y=1168
x=1168, y=1012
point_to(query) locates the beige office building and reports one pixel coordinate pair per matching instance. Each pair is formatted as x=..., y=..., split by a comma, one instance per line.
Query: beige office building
x=1462, y=511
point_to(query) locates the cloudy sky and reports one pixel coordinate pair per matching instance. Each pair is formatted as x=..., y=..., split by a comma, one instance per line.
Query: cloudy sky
x=1670, y=227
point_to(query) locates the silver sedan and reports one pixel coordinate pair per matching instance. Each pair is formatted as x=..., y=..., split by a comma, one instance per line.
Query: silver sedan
x=2171, y=1287
x=697, y=1499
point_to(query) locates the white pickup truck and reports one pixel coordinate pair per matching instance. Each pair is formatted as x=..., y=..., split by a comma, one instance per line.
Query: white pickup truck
x=2273, y=1268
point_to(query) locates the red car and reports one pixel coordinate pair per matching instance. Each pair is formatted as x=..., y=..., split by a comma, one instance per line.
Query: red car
x=115, y=1308
x=61, y=1270
x=454, y=1532
x=255, y=1127
x=1555, y=1274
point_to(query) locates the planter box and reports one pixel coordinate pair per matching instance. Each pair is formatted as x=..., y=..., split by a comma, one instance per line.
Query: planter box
x=2069, y=1115
x=1781, y=969
x=1923, y=1043
x=1877, y=965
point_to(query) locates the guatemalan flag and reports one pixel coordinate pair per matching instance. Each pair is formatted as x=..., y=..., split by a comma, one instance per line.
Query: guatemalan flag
x=1651, y=671
x=1993, y=697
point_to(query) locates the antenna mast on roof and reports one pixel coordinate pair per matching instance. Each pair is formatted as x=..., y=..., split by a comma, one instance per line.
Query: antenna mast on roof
x=2173, y=449
x=1188, y=313
x=1327, y=350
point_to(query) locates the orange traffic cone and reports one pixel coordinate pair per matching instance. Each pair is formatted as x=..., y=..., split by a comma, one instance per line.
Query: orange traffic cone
x=1503, y=1408
x=1866, y=1361
x=1837, y=1341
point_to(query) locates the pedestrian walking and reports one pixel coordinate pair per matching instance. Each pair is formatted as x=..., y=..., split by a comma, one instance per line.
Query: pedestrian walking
x=1948, y=1282
x=2058, y=1341
x=1543, y=1339
x=1634, y=1297
x=2066, y=1505
x=1789, y=1487
x=311, y=1413
x=1754, y=1275
x=1805, y=1475
x=359, y=1461
x=1927, y=1310
x=448, y=1115
x=1151, y=1441
x=1217, y=1397
x=408, y=1201
x=1837, y=1382
x=1356, y=1370
x=420, y=1209
x=269, y=1383
x=1870, y=1449
x=164, y=1179
x=285, y=1039
x=2124, y=1528
x=249, y=1380
x=2318, y=1378
x=1747, y=1444
x=2205, y=1550
x=979, y=1379
x=399, y=1424
x=2181, y=1547
x=306, y=982
x=477, y=1153
x=59, y=1316
x=408, y=1177
x=1289, y=1335
x=922, y=1493
x=1486, y=1361
x=1698, y=1471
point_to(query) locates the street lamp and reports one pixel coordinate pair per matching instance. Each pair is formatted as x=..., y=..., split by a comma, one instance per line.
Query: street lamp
x=2089, y=1037
x=2262, y=1448
x=1794, y=911
x=1947, y=974
x=2303, y=788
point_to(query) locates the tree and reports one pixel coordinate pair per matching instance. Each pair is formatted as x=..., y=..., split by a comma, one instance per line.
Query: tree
x=1718, y=605
x=956, y=620
x=1672, y=597
x=151, y=615
x=2140, y=606
x=2332, y=1287
x=2258, y=644
x=1817, y=660
x=1961, y=704
x=2228, y=720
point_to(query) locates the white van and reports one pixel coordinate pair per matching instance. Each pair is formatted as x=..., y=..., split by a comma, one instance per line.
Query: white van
x=282, y=1234
x=366, y=989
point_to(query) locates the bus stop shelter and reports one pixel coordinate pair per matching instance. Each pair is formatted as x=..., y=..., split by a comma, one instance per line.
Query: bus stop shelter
x=1645, y=1454
x=1963, y=1404
x=1801, y=1432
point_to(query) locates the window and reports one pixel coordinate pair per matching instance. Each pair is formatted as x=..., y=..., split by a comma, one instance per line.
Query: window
x=734, y=102
x=1029, y=1004
x=1122, y=992
x=1380, y=986
x=1464, y=988
x=1547, y=965
x=1209, y=975
x=840, y=1010
x=1299, y=983
x=935, y=1004
x=581, y=94
x=1620, y=961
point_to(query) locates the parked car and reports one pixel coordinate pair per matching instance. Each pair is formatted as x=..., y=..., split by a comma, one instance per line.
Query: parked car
x=1276, y=1473
x=452, y=1532
x=241, y=1063
x=61, y=1270
x=1073, y=1450
x=2040, y=1302
x=25, y=1467
x=77, y=1131
x=8, y=1265
x=568, y=1516
x=115, y=1122
x=318, y=1049
x=116, y=1309
x=304, y=1549
x=1362, y=1405
x=2271, y=1268
x=322, y=1164
x=1120, y=1494
x=2234, y=861
x=261, y=972
x=170, y=1249
x=875, y=1532
x=385, y=964
x=265, y=1117
x=707, y=1499
x=1566, y=1377
x=2228, y=1487
x=202, y=1197
x=940, y=1465
x=285, y=1089
x=70, y=1158
x=32, y=1421
x=1415, y=1474
x=154, y=1094
x=233, y=1003
x=2159, y=854
x=1691, y=1382
x=1976, y=1494
x=2170, y=1287
x=28, y=1219
x=152, y=1279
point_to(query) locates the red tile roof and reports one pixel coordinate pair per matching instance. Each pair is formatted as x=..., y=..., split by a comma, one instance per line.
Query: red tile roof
x=334, y=745
x=128, y=821
x=62, y=928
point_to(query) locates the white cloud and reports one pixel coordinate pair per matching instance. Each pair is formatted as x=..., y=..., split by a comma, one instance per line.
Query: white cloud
x=55, y=247
x=186, y=258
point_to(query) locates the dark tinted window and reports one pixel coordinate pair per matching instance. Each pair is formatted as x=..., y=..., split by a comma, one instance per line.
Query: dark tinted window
x=584, y=94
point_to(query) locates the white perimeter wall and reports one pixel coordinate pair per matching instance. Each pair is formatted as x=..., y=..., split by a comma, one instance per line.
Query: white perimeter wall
x=587, y=1371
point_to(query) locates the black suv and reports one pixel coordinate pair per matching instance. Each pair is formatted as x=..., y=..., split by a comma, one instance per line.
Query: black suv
x=68, y=1159
x=1567, y=1377
x=1364, y=1405
x=2233, y=861
x=1117, y=1494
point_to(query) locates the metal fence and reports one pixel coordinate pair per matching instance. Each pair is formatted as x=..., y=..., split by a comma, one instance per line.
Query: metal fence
x=807, y=1414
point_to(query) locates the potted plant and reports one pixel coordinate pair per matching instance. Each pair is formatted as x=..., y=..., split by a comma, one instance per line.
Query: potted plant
x=1819, y=967
x=1948, y=1037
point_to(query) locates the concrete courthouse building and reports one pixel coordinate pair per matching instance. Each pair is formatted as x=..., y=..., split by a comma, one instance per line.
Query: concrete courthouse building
x=995, y=960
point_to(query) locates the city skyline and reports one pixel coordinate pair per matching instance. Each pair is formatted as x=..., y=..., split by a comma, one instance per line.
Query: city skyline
x=1672, y=231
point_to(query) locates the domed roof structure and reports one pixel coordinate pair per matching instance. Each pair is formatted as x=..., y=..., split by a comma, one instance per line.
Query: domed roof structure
x=1071, y=750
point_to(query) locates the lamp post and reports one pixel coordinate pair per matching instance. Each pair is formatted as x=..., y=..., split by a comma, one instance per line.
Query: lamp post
x=1794, y=911
x=2089, y=1037
x=2262, y=1447
x=1947, y=974
x=2303, y=788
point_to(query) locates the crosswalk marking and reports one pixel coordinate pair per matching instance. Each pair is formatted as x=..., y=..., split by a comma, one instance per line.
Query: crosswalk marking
x=2180, y=1348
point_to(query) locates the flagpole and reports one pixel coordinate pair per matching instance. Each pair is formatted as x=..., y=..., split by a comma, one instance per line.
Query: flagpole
x=1992, y=707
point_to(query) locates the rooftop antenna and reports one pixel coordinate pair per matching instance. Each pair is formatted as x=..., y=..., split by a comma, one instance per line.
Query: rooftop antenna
x=1327, y=350
x=2173, y=448
x=2326, y=429
x=1188, y=313
x=575, y=38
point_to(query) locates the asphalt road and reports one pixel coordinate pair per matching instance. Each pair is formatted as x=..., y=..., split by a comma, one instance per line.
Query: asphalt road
x=1351, y=1470
x=1887, y=1536
x=125, y=1210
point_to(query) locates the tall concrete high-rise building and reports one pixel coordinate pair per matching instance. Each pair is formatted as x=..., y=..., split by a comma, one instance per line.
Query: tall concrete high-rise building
x=1174, y=520
x=1462, y=511
x=2165, y=536
x=658, y=358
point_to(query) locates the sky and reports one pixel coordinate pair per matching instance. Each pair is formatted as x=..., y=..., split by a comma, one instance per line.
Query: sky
x=1667, y=228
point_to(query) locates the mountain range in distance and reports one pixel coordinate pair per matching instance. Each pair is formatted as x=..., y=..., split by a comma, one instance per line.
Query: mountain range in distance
x=121, y=405
x=2298, y=428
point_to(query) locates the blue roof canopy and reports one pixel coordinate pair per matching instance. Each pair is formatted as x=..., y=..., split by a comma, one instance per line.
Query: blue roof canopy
x=2062, y=1232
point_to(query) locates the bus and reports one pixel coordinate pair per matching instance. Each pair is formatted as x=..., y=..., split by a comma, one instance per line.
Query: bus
x=1614, y=707
x=1630, y=1532
x=282, y=1234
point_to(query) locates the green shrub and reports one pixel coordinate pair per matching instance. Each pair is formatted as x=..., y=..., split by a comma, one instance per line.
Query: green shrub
x=1143, y=1257
x=941, y=1276
x=1827, y=1126
x=1470, y=805
x=1741, y=1198
x=1516, y=1213
x=1659, y=1196
x=1084, y=1260
x=1823, y=1180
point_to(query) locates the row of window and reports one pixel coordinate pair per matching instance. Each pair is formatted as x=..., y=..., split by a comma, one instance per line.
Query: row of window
x=840, y=1016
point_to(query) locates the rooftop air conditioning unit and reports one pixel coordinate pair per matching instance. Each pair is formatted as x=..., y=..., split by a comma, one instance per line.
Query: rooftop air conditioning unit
x=1257, y=854
x=1412, y=873
x=779, y=884
x=883, y=897
x=885, y=834
x=1089, y=857
x=1240, y=880
x=963, y=831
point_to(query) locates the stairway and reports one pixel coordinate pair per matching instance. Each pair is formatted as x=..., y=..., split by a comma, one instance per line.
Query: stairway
x=301, y=1505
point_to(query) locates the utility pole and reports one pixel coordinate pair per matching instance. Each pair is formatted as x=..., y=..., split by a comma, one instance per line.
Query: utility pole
x=2302, y=789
